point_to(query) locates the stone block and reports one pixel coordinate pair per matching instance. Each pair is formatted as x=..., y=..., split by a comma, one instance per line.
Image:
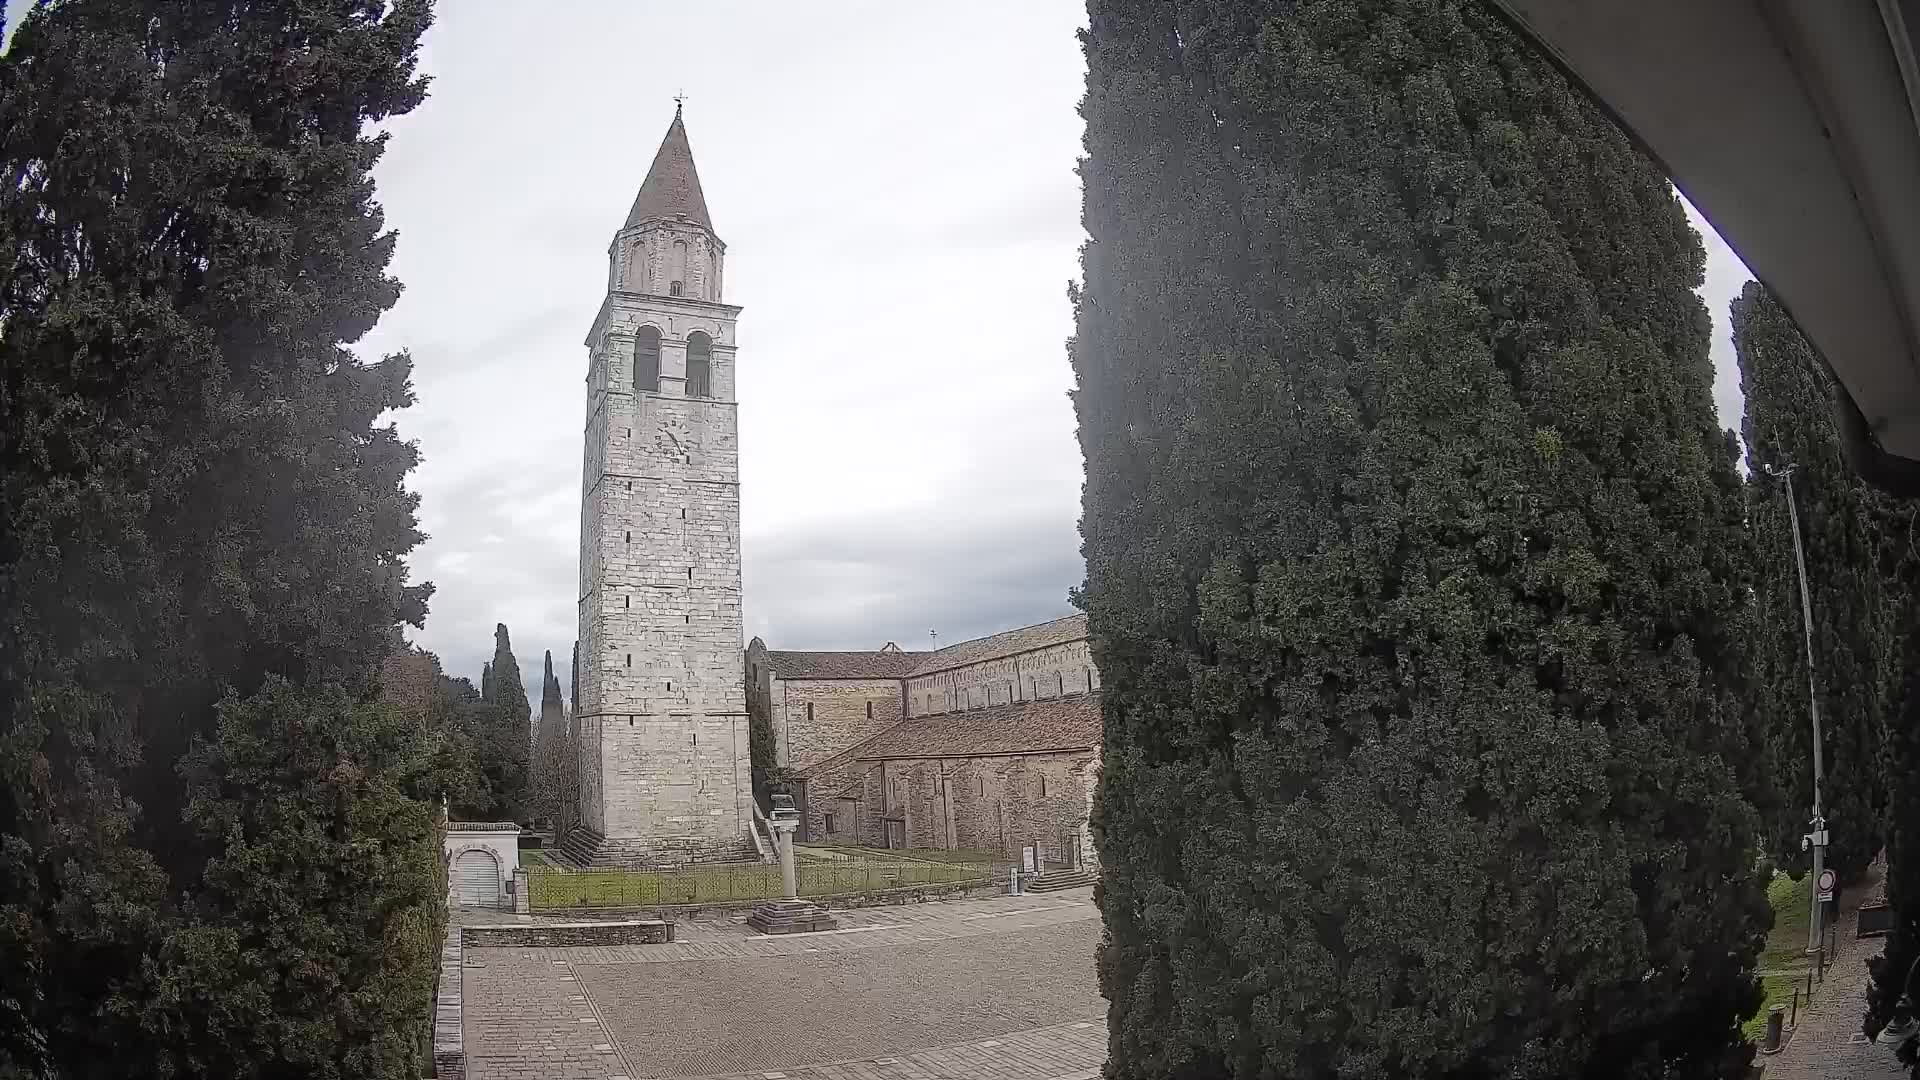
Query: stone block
x=555, y=934
x=791, y=917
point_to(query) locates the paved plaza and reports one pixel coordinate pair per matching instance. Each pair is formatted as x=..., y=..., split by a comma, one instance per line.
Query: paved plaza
x=990, y=989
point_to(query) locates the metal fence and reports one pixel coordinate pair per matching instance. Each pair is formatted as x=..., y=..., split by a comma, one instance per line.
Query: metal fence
x=554, y=889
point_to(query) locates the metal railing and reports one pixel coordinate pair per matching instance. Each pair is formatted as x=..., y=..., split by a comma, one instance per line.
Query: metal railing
x=553, y=889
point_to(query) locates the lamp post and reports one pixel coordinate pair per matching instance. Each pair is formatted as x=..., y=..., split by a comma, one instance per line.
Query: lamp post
x=1816, y=841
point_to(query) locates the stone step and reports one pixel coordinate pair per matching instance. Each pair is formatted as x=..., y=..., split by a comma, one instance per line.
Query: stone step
x=791, y=917
x=1055, y=880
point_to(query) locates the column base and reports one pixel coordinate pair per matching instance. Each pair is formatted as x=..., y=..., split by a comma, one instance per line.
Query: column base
x=791, y=917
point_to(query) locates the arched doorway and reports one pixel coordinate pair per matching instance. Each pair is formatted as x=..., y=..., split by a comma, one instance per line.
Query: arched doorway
x=476, y=877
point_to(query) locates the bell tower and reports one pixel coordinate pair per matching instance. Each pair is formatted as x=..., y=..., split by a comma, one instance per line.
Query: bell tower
x=662, y=716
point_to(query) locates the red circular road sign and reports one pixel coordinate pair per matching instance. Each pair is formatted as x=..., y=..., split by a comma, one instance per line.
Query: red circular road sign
x=1826, y=881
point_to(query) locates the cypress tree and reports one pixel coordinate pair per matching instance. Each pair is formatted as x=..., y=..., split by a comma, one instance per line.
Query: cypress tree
x=200, y=496
x=1415, y=562
x=508, y=753
x=1895, y=522
x=509, y=693
x=1890, y=971
x=549, y=750
x=1789, y=420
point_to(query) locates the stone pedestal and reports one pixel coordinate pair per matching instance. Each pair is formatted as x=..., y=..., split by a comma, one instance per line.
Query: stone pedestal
x=791, y=917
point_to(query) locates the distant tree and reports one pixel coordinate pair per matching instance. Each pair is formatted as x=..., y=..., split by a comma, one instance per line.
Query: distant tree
x=575, y=750
x=1415, y=562
x=473, y=774
x=200, y=493
x=1789, y=420
x=552, y=783
x=505, y=750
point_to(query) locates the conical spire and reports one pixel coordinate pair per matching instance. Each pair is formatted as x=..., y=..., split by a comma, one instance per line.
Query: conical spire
x=672, y=187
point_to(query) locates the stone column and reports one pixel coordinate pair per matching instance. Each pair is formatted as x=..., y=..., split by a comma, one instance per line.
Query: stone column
x=783, y=838
x=790, y=914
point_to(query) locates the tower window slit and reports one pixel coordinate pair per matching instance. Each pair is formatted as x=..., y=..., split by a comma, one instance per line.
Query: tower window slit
x=629, y=659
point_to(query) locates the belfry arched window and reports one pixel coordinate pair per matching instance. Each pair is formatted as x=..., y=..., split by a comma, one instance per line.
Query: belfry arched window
x=699, y=365
x=677, y=270
x=646, y=360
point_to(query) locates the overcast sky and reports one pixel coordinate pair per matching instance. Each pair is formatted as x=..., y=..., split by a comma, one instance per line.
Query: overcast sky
x=895, y=184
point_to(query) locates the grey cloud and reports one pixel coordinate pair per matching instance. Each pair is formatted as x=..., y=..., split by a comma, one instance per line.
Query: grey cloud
x=866, y=580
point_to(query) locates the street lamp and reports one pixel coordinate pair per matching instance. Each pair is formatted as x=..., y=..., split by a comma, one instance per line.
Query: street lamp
x=1817, y=839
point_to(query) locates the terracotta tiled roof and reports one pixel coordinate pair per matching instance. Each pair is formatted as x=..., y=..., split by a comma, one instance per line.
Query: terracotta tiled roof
x=672, y=187
x=1025, y=639
x=891, y=664
x=1023, y=727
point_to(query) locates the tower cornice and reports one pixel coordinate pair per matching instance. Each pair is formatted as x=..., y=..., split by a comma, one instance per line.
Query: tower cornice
x=666, y=305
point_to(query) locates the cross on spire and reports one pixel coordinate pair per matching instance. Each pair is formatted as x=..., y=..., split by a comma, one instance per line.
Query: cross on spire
x=679, y=99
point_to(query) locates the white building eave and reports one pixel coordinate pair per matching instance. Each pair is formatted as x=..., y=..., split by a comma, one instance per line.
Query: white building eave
x=1794, y=127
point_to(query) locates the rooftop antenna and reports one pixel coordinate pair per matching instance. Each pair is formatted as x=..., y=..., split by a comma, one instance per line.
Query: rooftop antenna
x=935, y=636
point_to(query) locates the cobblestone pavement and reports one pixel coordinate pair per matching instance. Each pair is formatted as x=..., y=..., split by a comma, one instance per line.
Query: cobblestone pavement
x=989, y=989
x=526, y=1019
x=1828, y=1044
x=1072, y=1051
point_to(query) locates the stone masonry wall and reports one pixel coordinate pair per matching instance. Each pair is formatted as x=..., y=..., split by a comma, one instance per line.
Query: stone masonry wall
x=817, y=718
x=449, y=1043
x=998, y=803
x=1030, y=676
x=642, y=260
x=660, y=619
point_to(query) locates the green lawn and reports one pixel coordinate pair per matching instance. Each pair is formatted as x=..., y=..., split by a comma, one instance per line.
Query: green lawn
x=552, y=889
x=1787, y=942
x=1779, y=990
x=1785, y=955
